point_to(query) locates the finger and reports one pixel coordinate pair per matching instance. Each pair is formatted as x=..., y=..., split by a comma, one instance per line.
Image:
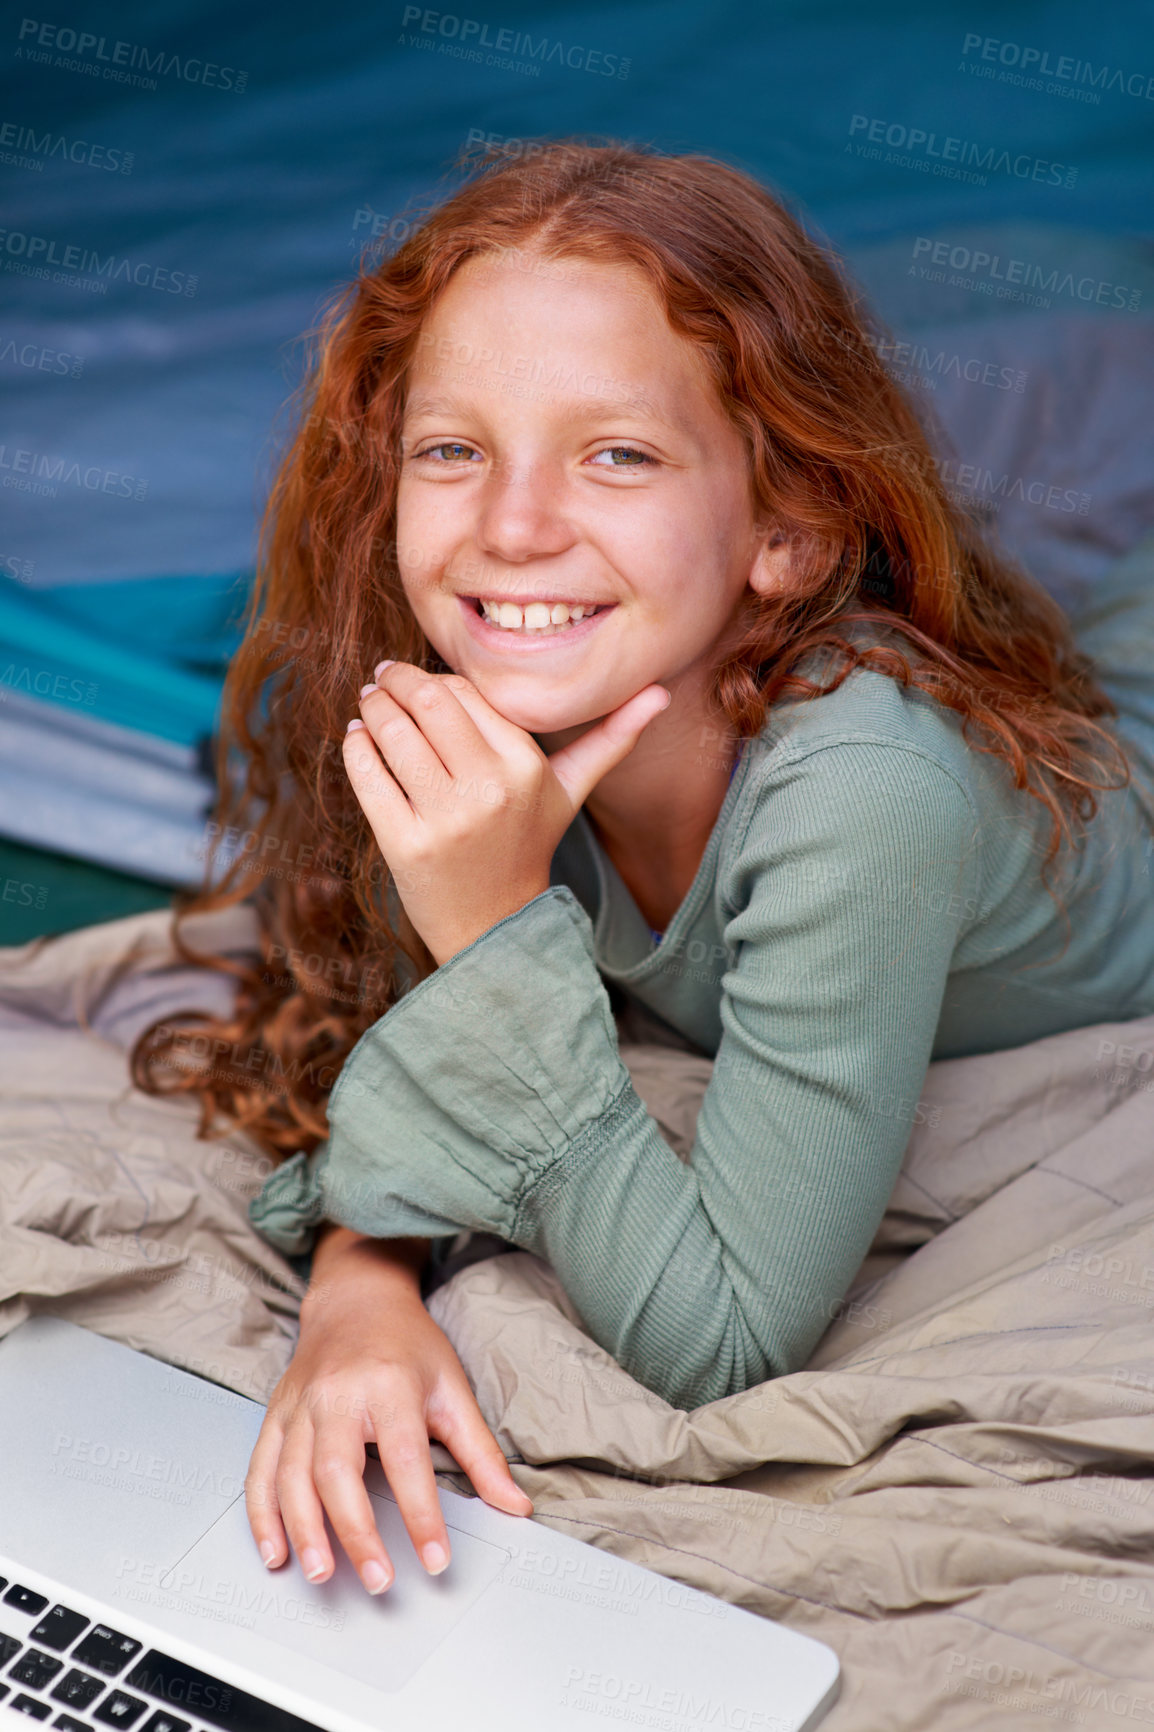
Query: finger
x=300, y=1506
x=502, y=735
x=461, y=1427
x=260, y=1499
x=409, y=752
x=436, y=703
x=384, y=803
x=338, y=1472
x=580, y=765
x=403, y=1446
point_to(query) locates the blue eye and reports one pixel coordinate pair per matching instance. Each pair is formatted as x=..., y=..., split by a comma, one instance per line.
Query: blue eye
x=636, y=459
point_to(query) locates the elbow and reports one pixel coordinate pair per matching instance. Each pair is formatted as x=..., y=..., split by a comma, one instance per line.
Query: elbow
x=740, y=1368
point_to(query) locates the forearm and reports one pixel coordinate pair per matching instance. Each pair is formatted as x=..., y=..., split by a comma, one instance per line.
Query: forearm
x=346, y=1262
x=623, y=1223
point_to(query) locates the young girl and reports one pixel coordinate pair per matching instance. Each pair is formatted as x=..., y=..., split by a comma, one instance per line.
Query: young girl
x=696, y=686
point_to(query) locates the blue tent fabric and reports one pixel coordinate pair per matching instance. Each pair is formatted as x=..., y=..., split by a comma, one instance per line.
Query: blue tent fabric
x=949, y=154
x=246, y=203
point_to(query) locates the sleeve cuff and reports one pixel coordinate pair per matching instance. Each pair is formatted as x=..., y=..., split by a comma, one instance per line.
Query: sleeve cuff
x=454, y=1105
x=289, y=1206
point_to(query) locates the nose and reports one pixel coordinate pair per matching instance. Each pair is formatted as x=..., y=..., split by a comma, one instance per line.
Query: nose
x=522, y=514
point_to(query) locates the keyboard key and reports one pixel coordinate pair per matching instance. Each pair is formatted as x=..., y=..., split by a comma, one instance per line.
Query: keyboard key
x=35, y=1669
x=119, y=1709
x=105, y=1650
x=162, y=1722
x=214, y=1703
x=68, y=1724
x=25, y=1600
x=59, y=1628
x=8, y=1646
x=28, y=1705
x=3, y=1691
x=78, y=1689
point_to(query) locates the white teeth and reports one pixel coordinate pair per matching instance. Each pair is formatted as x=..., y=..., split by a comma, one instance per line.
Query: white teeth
x=536, y=616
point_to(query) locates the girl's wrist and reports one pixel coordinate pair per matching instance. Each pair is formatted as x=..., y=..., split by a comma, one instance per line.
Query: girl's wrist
x=344, y=1261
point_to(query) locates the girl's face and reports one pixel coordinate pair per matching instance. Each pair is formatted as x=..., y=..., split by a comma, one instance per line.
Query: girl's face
x=562, y=444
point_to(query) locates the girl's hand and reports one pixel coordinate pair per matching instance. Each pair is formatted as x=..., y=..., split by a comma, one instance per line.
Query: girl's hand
x=465, y=806
x=370, y=1366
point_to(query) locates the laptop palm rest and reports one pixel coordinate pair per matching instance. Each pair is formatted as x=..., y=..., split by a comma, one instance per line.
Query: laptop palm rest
x=129, y=1483
x=381, y=1640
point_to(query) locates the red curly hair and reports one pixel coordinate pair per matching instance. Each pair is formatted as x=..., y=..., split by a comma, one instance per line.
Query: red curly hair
x=837, y=460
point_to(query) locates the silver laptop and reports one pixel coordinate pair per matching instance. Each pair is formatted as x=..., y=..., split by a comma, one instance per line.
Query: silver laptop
x=132, y=1593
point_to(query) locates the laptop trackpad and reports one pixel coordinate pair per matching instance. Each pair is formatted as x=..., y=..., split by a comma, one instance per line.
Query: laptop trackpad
x=380, y=1640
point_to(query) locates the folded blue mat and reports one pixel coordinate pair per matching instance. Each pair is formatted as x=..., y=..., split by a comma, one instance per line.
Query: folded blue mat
x=147, y=654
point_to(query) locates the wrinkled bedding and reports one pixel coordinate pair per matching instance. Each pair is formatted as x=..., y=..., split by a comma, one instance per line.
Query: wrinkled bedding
x=956, y=1493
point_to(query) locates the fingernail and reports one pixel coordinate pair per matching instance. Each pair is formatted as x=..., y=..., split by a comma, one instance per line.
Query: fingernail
x=380, y=667
x=371, y=687
x=355, y=723
x=312, y=1563
x=435, y=1557
x=374, y=1577
x=267, y=1553
x=668, y=701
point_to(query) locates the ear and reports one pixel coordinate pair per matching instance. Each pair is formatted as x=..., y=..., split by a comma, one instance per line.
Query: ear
x=772, y=568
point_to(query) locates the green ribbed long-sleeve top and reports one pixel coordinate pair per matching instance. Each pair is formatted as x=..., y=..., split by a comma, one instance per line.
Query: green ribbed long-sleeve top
x=869, y=899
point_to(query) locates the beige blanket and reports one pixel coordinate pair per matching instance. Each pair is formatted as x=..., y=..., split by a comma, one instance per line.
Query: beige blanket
x=955, y=1494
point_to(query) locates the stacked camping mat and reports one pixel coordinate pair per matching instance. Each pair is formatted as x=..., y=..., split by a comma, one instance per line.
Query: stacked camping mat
x=109, y=695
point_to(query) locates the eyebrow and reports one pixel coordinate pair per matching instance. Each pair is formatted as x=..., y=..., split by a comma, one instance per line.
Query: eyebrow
x=422, y=404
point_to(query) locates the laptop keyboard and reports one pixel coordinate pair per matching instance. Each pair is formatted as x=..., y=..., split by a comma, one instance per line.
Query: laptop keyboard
x=79, y=1675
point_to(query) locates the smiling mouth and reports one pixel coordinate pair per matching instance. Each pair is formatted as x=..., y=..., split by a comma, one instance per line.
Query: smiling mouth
x=535, y=618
